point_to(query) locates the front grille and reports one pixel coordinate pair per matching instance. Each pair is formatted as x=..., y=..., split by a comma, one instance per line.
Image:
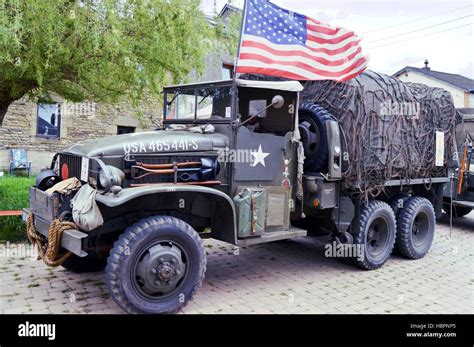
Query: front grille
x=162, y=178
x=73, y=164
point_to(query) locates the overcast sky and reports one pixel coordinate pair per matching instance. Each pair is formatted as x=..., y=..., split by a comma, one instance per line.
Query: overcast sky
x=448, y=51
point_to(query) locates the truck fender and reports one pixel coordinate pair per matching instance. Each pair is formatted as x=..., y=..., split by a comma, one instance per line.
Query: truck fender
x=226, y=232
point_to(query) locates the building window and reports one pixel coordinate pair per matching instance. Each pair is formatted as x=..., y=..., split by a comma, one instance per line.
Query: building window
x=227, y=71
x=48, y=121
x=125, y=130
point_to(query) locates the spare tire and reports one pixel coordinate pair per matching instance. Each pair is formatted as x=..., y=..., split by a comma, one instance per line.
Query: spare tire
x=312, y=126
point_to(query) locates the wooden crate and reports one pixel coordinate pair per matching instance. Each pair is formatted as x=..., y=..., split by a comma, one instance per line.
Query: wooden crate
x=43, y=205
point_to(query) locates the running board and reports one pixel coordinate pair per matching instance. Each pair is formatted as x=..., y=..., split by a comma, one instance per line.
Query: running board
x=463, y=203
x=270, y=236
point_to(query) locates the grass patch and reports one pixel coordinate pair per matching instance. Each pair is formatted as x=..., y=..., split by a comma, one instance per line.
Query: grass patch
x=14, y=195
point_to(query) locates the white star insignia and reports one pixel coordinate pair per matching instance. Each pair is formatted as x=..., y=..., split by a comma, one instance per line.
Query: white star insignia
x=259, y=157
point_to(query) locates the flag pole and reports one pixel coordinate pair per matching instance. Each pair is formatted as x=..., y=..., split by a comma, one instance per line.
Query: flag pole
x=235, y=114
x=236, y=60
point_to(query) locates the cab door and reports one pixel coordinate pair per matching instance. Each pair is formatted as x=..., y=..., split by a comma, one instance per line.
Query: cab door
x=266, y=154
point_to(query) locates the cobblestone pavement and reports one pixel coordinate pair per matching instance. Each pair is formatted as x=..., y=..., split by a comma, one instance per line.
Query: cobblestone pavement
x=286, y=277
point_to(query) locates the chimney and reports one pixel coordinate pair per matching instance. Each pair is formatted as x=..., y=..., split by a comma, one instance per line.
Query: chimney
x=426, y=65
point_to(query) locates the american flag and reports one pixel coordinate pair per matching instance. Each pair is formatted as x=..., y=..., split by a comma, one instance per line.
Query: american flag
x=278, y=42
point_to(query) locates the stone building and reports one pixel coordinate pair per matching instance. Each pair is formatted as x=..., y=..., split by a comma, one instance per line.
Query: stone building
x=44, y=129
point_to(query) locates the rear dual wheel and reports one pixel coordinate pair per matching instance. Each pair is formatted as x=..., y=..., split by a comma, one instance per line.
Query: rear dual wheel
x=416, y=227
x=376, y=235
x=410, y=227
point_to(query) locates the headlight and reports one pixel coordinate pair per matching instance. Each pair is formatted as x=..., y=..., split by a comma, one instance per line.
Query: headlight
x=111, y=176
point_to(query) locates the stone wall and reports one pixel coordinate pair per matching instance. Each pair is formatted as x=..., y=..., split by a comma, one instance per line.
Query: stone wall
x=213, y=68
x=79, y=122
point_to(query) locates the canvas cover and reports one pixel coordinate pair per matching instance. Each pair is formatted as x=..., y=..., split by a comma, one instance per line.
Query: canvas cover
x=388, y=127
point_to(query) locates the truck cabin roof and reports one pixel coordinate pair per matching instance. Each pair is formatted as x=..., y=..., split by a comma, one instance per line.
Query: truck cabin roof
x=290, y=86
x=211, y=102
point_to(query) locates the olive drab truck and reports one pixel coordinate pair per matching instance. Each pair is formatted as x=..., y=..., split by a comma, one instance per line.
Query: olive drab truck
x=246, y=162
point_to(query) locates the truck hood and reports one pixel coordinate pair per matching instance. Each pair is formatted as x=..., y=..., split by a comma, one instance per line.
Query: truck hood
x=160, y=141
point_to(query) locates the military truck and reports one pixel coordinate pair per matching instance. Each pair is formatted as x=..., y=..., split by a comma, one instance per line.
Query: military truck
x=459, y=194
x=228, y=164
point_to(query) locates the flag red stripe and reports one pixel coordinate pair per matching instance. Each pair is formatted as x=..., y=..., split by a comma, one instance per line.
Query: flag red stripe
x=333, y=51
x=289, y=75
x=304, y=66
x=248, y=43
x=258, y=45
x=273, y=72
x=335, y=40
x=322, y=29
x=348, y=77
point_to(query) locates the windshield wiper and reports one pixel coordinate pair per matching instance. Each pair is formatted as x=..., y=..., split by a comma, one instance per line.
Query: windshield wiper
x=205, y=96
x=174, y=98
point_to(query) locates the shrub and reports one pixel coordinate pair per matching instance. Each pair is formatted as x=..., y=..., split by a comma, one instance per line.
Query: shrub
x=13, y=196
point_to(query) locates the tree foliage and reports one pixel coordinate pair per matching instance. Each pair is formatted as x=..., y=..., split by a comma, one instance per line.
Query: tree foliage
x=229, y=32
x=101, y=50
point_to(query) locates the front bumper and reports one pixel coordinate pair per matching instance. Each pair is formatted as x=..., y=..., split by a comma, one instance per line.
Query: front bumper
x=71, y=240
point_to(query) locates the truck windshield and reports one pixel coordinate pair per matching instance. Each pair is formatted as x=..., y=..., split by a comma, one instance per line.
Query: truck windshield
x=206, y=103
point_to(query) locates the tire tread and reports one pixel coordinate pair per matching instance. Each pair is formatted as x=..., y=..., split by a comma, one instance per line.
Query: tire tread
x=405, y=218
x=366, y=213
x=317, y=162
x=128, y=238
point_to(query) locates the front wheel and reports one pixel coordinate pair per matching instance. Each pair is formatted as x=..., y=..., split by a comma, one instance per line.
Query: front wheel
x=156, y=266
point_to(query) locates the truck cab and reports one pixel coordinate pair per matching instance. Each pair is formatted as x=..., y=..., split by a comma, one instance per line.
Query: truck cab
x=224, y=165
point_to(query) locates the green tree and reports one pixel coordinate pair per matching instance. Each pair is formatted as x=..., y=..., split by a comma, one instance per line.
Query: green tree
x=229, y=33
x=100, y=50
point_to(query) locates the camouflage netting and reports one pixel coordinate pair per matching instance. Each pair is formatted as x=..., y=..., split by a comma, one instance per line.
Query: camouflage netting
x=388, y=127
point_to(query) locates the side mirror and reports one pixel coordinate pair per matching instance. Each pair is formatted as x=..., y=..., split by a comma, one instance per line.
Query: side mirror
x=278, y=101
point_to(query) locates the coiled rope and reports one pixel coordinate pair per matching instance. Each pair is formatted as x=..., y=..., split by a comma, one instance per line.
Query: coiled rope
x=48, y=248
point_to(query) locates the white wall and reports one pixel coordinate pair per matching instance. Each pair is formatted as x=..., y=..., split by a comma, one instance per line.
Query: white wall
x=457, y=93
